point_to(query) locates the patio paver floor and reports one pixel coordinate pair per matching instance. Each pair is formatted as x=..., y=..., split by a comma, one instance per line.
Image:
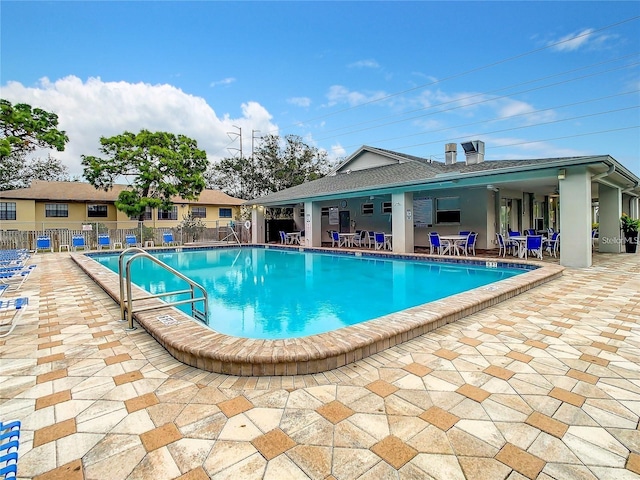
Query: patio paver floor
x=544, y=385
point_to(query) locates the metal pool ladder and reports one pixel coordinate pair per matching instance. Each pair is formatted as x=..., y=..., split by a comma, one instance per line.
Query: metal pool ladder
x=126, y=302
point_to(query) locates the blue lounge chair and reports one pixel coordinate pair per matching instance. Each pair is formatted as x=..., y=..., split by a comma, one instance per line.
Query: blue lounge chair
x=131, y=241
x=9, y=444
x=167, y=239
x=43, y=243
x=17, y=305
x=77, y=241
x=103, y=241
x=15, y=279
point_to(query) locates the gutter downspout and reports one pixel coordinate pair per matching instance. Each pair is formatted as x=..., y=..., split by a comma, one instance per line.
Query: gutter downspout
x=630, y=190
x=595, y=178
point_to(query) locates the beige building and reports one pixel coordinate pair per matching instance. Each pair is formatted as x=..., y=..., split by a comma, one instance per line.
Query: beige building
x=78, y=207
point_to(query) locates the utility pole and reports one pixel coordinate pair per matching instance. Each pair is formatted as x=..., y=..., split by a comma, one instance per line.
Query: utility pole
x=253, y=137
x=233, y=136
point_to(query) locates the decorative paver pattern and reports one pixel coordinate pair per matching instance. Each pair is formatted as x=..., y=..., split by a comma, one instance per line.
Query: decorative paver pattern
x=478, y=399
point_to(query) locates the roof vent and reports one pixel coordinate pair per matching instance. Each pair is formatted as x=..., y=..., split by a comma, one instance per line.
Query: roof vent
x=450, y=153
x=474, y=151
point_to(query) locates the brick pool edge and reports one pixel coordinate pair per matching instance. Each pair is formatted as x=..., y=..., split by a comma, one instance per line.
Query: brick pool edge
x=197, y=345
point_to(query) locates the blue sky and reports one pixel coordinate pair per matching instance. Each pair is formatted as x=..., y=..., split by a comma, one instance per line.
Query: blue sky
x=530, y=79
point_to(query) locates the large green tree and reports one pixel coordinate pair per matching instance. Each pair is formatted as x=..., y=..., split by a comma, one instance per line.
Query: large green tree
x=23, y=129
x=157, y=165
x=277, y=163
x=15, y=172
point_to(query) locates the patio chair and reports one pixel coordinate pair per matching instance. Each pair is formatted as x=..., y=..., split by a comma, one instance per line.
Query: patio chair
x=283, y=236
x=167, y=239
x=441, y=247
x=378, y=238
x=3, y=288
x=15, y=305
x=502, y=245
x=131, y=241
x=469, y=245
x=77, y=241
x=9, y=445
x=43, y=243
x=533, y=246
x=359, y=238
x=15, y=279
x=17, y=268
x=372, y=239
x=103, y=241
x=551, y=244
x=335, y=239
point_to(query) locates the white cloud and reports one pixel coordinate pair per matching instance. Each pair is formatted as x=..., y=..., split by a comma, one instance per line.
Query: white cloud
x=338, y=94
x=300, y=101
x=364, y=64
x=93, y=109
x=580, y=40
x=224, y=81
x=524, y=148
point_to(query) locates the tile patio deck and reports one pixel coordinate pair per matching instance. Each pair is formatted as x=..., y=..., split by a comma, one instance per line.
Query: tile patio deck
x=544, y=385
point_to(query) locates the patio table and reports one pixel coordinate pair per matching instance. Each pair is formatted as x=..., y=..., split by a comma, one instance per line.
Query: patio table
x=348, y=238
x=453, y=242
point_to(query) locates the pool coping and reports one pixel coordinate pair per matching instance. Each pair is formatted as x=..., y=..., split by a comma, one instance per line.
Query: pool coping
x=197, y=345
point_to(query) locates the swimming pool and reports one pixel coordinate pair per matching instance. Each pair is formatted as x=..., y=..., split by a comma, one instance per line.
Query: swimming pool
x=272, y=293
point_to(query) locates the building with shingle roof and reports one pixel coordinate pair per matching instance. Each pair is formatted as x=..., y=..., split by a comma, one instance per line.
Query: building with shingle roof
x=408, y=196
x=59, y=205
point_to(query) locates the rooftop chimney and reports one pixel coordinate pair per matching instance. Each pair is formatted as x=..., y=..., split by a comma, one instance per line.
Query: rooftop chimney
x=450, y=153
x=474, y=151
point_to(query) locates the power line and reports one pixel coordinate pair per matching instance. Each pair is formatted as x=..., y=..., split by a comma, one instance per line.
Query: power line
x=508, y=117
x=486, y=100
x=468, y=72
x=488, y=93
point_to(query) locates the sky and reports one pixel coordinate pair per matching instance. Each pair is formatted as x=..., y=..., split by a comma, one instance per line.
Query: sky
x=530, y=79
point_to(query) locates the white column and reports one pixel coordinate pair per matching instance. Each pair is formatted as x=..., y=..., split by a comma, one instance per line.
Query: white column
x=257, y=224
x=634, y=211
x=402, y=222
x=575, y=218
x=610, y=210
x=312, y=224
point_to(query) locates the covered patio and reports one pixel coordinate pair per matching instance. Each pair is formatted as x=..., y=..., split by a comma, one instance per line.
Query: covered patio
x=407, y=197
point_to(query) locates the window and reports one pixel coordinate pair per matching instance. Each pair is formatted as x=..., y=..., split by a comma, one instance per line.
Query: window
x=146, y=216
x=386, y=207
x=169, y=214
x=199, y=212
x=56, y=210
x=366, y=209
x=7, y=210
x=224, y=213
x=302, y=212
x=96, y=211
x=448, y=210
x=324, y=211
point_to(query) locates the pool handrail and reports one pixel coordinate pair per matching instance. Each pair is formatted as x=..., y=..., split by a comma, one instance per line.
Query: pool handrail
x=138, y=252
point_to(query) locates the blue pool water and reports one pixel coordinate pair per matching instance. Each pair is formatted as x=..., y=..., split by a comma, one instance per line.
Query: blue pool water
x=277, y=293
